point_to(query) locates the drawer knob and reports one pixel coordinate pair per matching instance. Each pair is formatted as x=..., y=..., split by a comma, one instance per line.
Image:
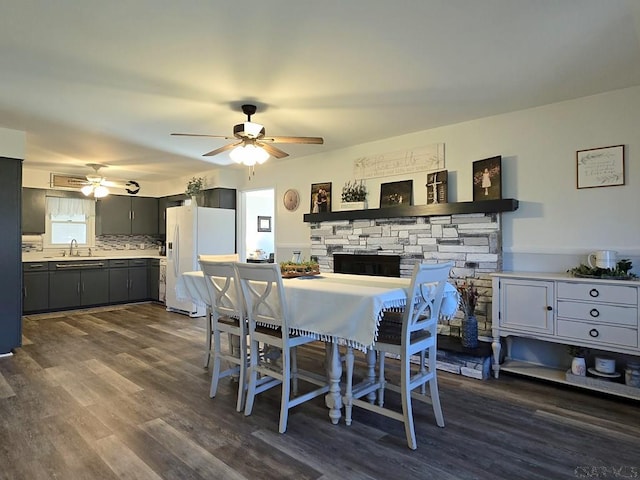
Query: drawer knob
x=594, y=333
x=549, y=308
x=594, y=292
x=594, y=313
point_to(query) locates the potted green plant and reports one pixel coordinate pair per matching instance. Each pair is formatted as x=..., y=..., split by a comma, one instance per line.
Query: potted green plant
x=468, y=301
x=194, y=188
x=354, y=195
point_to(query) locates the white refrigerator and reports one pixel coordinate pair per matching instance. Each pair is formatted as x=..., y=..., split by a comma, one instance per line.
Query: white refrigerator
x=193, y=231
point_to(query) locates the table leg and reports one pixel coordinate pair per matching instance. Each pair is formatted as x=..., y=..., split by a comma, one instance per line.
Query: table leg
x=333, y=400
x=371, y=372
x=348, y=391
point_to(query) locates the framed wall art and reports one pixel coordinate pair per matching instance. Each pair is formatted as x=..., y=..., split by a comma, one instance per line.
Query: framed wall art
x=393, y=194
x=487, y=179
x=600, y=167
x=264, y=224
x=437, y=190
x=320, y=197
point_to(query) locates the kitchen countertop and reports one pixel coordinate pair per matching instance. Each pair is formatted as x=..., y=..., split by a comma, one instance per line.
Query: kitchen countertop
x=98, y=255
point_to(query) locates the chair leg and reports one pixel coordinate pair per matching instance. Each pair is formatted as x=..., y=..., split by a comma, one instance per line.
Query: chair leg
x=242, y=378
x=253, y=378
x=286, y=389
x=433, y=389
x=207, y=353
x=294, y=370
x=215, y=371
x=407, y=412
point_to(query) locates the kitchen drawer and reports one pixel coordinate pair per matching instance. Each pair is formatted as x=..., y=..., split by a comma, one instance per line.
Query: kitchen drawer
x=600, y=334
x=121, y=262
x=35, y=266
x=597, y=312
x=598, y=292
x=138, y=262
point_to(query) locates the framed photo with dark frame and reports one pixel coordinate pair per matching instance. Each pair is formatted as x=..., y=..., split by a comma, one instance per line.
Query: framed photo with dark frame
x=487, y=179
x=600, y=167
x=437, y=190
x=394, y=194
x=321, y=197
x=264, y=224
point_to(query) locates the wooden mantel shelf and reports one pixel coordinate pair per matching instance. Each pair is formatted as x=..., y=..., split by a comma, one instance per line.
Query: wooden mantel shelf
x=486, y=206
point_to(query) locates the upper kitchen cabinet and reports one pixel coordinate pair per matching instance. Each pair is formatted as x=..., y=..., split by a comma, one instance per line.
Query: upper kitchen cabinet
x=33, y=210
x=220, y=198
x=123, y=215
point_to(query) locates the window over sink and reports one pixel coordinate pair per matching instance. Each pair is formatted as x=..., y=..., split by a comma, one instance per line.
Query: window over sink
x=68, y=219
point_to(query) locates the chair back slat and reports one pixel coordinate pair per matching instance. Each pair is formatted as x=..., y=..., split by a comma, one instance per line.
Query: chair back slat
x=224, y=289
x=263, y=294
x=426, y=290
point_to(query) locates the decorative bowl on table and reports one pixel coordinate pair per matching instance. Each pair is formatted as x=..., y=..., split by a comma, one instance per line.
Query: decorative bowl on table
x=301, y=269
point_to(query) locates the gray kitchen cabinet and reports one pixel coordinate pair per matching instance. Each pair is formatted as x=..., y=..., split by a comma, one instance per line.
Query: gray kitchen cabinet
x=35, y=287
x=78, y=284
x=154, y=279
x=128, y=280
x=33, y=210
x=124, y=215
x=11, y=258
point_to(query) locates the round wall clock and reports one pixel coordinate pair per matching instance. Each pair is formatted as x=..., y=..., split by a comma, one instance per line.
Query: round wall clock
x=291, y=200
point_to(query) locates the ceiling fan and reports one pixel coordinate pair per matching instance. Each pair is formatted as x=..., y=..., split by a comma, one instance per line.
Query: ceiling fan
x=253, y=146
x=98, y=186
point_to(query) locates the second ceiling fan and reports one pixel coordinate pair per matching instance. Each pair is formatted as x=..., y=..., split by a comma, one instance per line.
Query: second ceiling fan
x=253, y=146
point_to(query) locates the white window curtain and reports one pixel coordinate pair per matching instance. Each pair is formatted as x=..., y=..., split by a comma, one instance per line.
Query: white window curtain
x=71, y=206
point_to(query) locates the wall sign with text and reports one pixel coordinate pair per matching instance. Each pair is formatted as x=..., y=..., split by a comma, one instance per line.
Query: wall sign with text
x=600, y=167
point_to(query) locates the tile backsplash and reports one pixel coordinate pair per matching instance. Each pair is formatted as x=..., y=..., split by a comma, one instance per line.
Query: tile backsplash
x=34, y=243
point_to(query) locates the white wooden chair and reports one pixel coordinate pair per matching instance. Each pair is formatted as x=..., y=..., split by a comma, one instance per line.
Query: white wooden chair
x=268, y=325
x=226, y=316
x=231, y=257
x=404, y=334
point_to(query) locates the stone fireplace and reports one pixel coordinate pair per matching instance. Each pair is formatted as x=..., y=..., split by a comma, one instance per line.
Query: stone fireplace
x=472, y=241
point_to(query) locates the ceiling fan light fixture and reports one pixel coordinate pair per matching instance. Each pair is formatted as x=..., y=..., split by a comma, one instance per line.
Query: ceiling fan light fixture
x=100, y=191
x=249, y=155
x=87, y=190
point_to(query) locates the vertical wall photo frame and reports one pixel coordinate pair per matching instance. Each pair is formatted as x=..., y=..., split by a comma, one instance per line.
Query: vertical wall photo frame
x=437, y=189
x=487, y=179
x=321, y=197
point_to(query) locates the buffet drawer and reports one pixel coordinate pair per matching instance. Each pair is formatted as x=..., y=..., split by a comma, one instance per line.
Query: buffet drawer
x=598, y=292
x=604, y=334
x=597, y=312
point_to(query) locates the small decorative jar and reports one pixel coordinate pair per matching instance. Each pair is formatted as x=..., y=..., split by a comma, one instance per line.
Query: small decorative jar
x=632, y=374
x=579, y=366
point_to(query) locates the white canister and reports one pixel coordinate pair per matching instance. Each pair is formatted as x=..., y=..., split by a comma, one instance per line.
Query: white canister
x=603, y=259
x=605, y=365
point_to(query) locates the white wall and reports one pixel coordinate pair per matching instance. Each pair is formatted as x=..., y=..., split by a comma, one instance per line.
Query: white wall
x=259, y=203
x=556, y=224
x=12, y=143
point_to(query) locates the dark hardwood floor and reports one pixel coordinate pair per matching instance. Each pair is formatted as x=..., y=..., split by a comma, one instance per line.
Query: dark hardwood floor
x=121, y=393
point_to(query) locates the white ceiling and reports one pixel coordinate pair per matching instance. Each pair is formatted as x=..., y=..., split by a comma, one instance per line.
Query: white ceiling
x=107, y=82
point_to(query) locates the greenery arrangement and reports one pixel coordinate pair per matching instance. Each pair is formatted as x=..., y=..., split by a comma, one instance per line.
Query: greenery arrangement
x=576, y=351
x=354, y=191
x=194, y=186
x=468, y=297
x=620, y=272
x=298, y=269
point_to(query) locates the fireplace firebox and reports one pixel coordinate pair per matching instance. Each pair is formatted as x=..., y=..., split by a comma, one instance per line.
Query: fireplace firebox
x=367, y=264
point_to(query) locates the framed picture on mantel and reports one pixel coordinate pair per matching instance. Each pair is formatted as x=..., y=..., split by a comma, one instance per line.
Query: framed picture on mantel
x=487, y=179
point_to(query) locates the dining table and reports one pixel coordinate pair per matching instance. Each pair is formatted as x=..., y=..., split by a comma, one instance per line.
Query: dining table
x=339, y=309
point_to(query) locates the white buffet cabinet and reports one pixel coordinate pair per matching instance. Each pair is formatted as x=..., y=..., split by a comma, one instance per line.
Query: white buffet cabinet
x=551, y=310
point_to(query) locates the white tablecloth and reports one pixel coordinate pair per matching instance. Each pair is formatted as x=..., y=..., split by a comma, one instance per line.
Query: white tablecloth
x=332, y=306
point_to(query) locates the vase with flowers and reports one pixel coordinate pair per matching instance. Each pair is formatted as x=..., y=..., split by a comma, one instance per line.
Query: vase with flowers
x=578, y=359
x=468, y=301
x=194, y=189
x=354, y=196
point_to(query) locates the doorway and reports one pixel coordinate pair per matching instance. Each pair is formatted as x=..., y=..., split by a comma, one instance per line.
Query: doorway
x=257, y=208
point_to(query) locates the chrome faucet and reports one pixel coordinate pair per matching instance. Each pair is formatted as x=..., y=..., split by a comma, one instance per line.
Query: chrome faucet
x=73, y=240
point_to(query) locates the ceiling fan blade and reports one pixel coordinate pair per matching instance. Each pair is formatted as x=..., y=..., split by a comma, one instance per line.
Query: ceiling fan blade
x=221, y=149
x=203, y=135
x=273, y=151
x=311, y=140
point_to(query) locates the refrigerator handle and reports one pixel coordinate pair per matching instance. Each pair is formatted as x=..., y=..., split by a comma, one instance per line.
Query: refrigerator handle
x=176, y=251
